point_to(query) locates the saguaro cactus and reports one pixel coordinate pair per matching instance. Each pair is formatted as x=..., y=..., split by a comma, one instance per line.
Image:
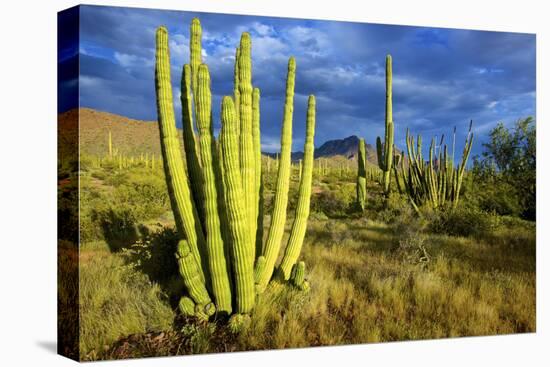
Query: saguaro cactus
x=219, y=221
x=361, y=174
x=385, y=152
x=110, y=144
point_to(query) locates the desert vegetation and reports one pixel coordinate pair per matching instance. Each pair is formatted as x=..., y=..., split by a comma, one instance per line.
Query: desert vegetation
x=205, y=244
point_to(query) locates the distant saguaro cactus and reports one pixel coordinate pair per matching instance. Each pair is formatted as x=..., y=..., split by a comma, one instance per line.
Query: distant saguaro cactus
x=385, y=151
x=217, y=203
x=361, y=174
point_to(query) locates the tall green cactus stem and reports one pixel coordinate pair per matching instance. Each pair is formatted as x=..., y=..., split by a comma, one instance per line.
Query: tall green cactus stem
x=236, y=92
x=361, y=174
x=397, y=160
x=258, y=194
x=460, y=170
x=209, y=158
x=195, y=50
x=299, y=226
x=189, y=141
x=190, y=272
x=246, y=142
x=237, y=218
x=277, y=227
x=385, y=153
x=110, y=144
x=185, y=214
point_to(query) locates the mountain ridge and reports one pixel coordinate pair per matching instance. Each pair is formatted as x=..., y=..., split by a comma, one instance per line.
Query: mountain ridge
x=131, y=136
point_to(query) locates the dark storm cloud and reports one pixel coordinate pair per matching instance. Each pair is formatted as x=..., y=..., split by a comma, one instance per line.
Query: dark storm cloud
x=441, y=77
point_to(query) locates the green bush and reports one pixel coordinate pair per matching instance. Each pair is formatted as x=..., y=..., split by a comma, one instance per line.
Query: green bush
x=462, y=221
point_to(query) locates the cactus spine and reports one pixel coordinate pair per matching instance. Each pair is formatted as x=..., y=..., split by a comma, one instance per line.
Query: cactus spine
x=385, y=152
x=278, y=220
x=361, y=174
x=298, y=231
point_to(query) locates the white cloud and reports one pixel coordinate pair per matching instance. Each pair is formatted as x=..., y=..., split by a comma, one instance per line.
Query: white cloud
x=129, y=61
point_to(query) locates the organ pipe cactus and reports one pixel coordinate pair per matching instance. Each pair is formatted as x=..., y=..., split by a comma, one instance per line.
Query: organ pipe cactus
x=278, y=220
x=216, y=195
x=361, y=174
x=298, y=231
x=436, y=181
x=385, y=151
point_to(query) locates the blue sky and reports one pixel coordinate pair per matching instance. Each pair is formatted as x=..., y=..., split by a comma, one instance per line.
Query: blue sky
x=441, y=77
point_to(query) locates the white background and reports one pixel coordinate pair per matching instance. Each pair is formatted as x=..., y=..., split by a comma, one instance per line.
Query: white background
x=28, y=182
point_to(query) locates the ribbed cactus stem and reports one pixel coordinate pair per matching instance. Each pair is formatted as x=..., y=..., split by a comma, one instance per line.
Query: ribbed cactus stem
x=299, y=226
x=190, y=273
x=277, y=227
x=187, y=306
x=236, y=92
x=185, y=214
x=361, y=174
x=385, y=152
x=209, y=158
x=258, y=197
x=189, y=141
x=237, y=218
x=246, y=142
x=195, y=50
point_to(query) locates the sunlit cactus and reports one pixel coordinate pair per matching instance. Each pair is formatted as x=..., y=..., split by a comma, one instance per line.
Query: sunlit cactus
x=361, y=174
x=436, y=182
x=216, y=197
x=385, y=151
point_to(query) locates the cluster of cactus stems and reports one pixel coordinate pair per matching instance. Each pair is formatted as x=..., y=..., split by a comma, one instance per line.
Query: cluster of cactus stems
x=216, y=197
x=385, y=151
x=361, y=174
x=437, y=181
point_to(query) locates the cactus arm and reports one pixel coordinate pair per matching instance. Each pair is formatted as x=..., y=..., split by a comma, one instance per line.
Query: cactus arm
x=246, y=142
x=236, y=214
x=258, y=190
x=361, y=174
x=236, y=92
x=195, y=50
x=192, y=280
x=277, y=226
x=209, y=158
x=380, y=153
x=185, y=214
x=189, y=142
x=299, y=226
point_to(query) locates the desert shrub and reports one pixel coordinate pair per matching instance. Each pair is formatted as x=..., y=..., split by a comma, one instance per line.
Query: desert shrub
x=394, y=208
x=461, y=221
x=118, y=224
x=334, y=204
x=154, y=254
